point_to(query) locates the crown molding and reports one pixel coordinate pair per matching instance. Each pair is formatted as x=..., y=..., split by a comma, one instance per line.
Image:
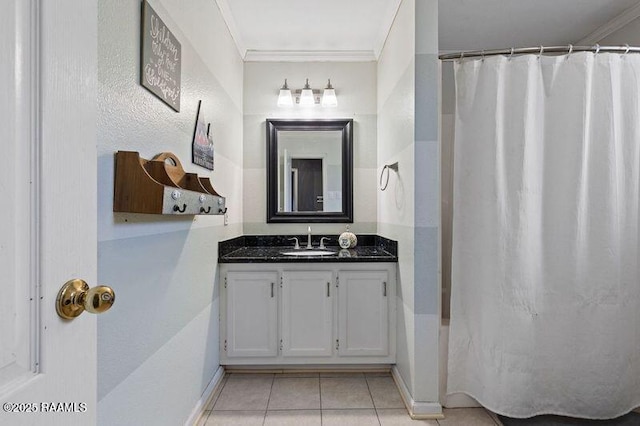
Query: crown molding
x=310, y=56
x=610, y=27
x=387, y=22
x=227, y=16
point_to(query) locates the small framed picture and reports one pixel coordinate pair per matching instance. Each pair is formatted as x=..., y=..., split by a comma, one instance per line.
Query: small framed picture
x=202, y=153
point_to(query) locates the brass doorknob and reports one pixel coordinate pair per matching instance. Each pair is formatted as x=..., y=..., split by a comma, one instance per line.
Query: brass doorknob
x=75, y=297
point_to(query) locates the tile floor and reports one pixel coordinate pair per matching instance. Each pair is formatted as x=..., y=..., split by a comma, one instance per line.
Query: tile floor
x=328, y=399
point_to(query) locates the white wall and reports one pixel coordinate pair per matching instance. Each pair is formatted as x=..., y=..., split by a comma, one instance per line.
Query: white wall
x=447, y=128
x=408, y=211
x=629, y=34
x=158, y=345
x=355, y=84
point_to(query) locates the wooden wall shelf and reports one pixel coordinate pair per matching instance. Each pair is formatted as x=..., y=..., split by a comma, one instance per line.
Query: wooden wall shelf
x=161, y=186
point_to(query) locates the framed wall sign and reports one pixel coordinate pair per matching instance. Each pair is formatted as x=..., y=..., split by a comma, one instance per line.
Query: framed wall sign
x=202, y=141
x=161, y=60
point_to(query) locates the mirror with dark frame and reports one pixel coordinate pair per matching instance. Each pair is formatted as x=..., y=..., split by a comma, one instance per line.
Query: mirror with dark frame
x=309, y=170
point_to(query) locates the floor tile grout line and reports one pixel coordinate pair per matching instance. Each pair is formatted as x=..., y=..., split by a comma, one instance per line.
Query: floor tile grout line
x=264, y=419
x=215, y=400
x=377, y=415
x=225, y=380
x=375, y=408
x=320, y=391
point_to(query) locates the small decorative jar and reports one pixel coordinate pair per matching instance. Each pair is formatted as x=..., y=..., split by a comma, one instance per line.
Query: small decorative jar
x=347, y=239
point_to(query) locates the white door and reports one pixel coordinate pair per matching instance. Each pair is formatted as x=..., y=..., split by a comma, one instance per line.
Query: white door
x=363, y=313
x=307, y=312
x=251, y=314
x=48, y=215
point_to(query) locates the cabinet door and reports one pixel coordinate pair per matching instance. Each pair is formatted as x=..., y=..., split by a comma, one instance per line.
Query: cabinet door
x=363, y=313
x=307, y=311
x=252, y=314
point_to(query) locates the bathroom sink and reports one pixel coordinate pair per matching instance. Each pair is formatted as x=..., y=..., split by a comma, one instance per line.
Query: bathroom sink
x=308, y=253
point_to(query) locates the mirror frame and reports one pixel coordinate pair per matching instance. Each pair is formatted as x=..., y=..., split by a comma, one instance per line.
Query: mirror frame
x=343, y=125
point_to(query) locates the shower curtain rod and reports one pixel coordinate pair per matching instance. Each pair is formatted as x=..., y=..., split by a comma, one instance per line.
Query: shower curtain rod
x=539, y=50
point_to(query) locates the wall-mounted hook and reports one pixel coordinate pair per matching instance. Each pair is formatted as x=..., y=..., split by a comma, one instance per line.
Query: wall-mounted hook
x=177, y=208
x=222, y=211
x=393, y=167
x=207, y=211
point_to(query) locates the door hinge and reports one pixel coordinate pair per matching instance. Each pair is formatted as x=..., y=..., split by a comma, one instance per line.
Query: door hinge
x=280, y=345
x=337, y=280
x=337, y=344
x=225, y=345
x=281, y=281
x=225, y=281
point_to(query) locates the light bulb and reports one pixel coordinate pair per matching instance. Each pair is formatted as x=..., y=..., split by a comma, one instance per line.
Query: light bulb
x=306, y=96
x=284, y=98
x=329, y=98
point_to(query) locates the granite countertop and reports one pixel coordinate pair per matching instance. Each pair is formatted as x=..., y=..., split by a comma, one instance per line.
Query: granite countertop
x=269, y=249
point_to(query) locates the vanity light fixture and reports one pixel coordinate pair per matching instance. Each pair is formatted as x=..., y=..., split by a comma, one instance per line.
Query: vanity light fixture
x=307, y=96
x=284, y=98
x=329, y=96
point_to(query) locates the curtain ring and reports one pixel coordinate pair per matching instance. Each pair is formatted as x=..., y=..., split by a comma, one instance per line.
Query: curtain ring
x=628, y=48
x=570, y=51
x=461, y=55
x=597, y=48
x=511, y=54
x=541, y=51
x=483, y=55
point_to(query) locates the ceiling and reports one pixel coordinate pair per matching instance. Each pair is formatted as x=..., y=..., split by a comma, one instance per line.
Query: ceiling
x=496, y=24
x=356, y=29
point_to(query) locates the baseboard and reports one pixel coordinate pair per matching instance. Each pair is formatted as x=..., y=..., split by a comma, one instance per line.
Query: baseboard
x=417, y=410
x=205, y=399
x=309, y=368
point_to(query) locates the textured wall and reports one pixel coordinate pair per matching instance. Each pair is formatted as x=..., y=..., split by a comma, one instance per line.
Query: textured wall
x=355, y=84
x=158, y=345
x=409, y=210
x=396, y=118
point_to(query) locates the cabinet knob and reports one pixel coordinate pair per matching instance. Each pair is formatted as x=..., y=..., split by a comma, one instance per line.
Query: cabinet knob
x=75, y=297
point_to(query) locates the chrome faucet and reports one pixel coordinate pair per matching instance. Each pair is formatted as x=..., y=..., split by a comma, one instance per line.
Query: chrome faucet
x=297, y=246
x=309, y=246
x=322, y=246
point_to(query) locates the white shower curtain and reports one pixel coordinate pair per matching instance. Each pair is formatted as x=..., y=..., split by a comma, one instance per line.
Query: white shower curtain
x=545, y=305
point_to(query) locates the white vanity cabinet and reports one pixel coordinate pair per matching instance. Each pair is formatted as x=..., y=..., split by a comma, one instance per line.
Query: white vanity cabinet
x=307, y=313
x=317, y=313
x=251, y=314
x=363, y=313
